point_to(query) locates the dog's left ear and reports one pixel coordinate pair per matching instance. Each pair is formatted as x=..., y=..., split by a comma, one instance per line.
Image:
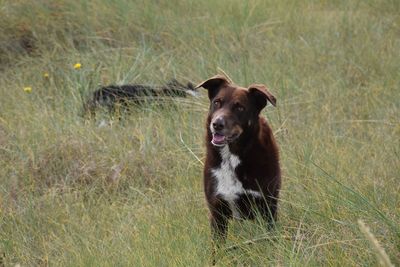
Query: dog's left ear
x=213, y=85
x=261, y=95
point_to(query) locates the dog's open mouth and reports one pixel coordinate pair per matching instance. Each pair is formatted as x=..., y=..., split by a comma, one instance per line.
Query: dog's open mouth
x=218, y=139
x=221, y=140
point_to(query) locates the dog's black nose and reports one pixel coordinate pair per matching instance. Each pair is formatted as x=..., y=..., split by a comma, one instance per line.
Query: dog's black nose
x=218, y=124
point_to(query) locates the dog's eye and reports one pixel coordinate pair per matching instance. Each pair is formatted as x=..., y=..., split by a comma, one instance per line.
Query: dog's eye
x=217, y=103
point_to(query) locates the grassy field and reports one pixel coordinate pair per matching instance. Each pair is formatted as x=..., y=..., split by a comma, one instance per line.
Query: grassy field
x=130, y=194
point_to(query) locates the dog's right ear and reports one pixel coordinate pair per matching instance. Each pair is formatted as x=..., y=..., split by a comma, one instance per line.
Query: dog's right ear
x=213, y=85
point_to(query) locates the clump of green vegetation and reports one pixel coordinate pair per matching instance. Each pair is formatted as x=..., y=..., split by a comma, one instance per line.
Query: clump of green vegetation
x=130, y=194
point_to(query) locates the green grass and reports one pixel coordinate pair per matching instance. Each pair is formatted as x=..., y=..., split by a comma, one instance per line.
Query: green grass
x=130, y=194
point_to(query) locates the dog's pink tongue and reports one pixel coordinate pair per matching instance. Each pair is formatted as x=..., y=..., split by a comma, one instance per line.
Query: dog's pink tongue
x=218, y=138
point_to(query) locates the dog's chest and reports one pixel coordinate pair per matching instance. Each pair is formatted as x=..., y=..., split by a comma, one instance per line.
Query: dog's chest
x=228, y=186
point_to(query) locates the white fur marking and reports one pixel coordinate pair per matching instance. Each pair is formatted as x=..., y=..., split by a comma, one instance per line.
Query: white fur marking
x=192, y=93
x=228, y=185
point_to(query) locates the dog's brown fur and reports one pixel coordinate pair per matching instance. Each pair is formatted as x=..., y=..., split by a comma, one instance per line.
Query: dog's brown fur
x=234, y=119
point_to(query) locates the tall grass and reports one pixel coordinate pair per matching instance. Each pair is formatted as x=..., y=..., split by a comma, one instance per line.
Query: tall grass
x=73, y=193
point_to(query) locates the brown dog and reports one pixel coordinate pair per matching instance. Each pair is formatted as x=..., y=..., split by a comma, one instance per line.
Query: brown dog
x=242, y=176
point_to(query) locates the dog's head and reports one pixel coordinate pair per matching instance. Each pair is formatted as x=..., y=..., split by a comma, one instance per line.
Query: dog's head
x=233, y=109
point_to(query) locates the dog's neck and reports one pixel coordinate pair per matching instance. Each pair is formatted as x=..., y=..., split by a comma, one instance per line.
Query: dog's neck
x=246, y=142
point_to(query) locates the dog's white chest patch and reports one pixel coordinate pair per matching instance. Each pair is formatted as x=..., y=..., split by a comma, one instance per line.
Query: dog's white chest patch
x=228, y=185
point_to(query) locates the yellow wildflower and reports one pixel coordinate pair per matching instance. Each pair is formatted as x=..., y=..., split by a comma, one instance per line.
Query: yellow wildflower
x=77, y=66
x=27, y=89
x=46, y=75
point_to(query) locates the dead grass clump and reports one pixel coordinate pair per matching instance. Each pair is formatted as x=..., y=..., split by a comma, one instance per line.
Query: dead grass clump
x=67, y=163
x=82, y=165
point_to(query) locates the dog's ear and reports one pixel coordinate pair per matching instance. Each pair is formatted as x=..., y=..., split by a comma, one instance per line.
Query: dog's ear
x=213, y=84
x=261, y=95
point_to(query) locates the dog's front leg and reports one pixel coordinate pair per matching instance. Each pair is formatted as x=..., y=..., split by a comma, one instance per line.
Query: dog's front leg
x=269, y=211
x=219, y=230
x=219, y=226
